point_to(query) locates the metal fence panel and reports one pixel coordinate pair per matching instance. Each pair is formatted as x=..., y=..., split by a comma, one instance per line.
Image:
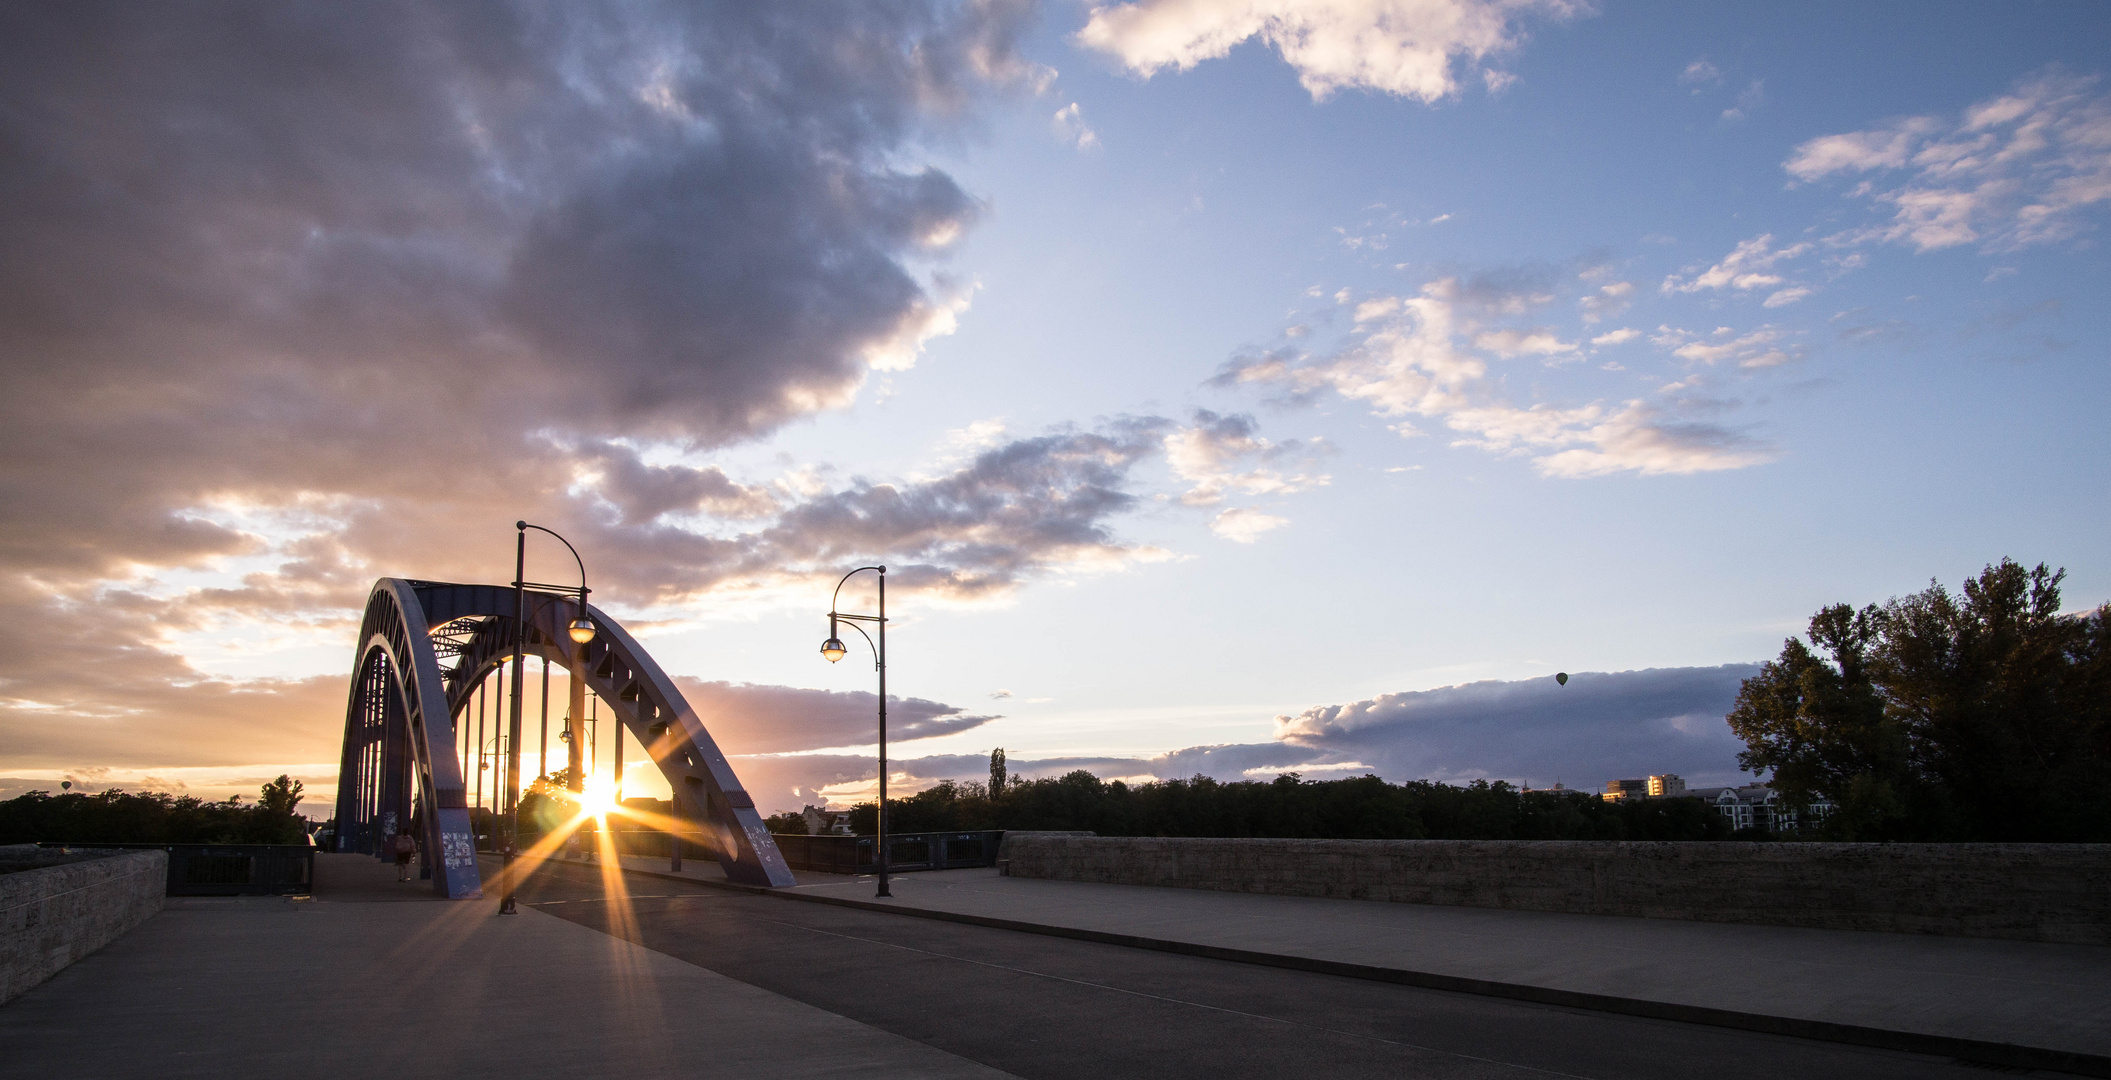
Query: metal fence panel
x=230, y=869
x=905, y=851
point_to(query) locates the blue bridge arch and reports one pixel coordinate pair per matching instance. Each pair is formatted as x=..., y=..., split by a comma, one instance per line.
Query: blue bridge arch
x=425, y=646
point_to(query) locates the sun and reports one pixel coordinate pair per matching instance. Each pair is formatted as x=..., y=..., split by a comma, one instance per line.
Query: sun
x=597, y=799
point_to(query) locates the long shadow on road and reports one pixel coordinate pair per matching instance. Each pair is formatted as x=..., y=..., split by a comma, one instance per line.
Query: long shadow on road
x=1044, y=1007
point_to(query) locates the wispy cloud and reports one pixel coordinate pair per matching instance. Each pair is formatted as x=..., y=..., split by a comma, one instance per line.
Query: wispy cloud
x=1069, y=125
x=2010, y=172
x=1222, y=455
x=1745, y=268
x=1761, y=348
x=1415, y=356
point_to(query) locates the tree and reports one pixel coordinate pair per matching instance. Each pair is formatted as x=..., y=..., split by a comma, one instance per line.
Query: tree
x=997, y=773
x=789, y=823
x=281, y=795
x=1939, y=717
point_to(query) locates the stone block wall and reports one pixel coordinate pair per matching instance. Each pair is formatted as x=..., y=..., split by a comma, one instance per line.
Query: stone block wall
x=2031, y=892
x=52, y=915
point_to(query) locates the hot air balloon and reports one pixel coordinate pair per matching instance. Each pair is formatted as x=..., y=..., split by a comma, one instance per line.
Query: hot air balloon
x=1561, y=678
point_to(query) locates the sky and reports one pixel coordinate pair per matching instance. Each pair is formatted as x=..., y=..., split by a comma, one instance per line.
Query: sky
x=1230, y=388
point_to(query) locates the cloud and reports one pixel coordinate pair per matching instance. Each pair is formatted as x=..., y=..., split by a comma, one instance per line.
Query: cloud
x=1402, y=47
x=1758, y=348
x=1413, y=361
x=2021, y=169
x=1508, y=343
x=1601, y=726
x=1069, y=125
x=1617, y=337
x=1743, y=269
x=486, y=241
x=1213, y=453
x=1608, y=302
x=745, y=718
x=1700, y=73
x=1753, y=96
x=1243, y=525
x=1785, y=297
x=298, y=300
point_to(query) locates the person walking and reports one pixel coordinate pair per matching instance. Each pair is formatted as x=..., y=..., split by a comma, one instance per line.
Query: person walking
x=406, y=848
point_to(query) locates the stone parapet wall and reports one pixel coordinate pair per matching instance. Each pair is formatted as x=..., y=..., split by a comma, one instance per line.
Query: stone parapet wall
x=55, y=914
x=2030, y=892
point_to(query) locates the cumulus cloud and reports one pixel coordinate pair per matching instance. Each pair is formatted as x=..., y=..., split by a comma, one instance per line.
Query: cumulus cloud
x=1601, y=726
x=1617, y=337
x=2016, y=170
x=1244, y=524
x=1412, y=48
x=1609, y=301
x=1537, y=341
x=1411, y=357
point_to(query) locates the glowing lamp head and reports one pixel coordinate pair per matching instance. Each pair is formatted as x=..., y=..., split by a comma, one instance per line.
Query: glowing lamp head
x=833, y=649
x=582, y=630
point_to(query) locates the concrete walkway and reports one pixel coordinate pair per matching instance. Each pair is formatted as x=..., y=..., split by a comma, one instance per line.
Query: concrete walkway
x=2053, y=1002
x=353, y=985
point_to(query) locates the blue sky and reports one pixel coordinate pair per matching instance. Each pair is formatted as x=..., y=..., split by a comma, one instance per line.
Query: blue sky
x=1376, y=351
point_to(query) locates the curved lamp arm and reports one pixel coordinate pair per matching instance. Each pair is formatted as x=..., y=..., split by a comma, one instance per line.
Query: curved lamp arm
x=582, y=623
x=839, y=585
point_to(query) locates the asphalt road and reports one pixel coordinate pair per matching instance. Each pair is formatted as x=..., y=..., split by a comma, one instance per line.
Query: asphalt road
x=1048, y=1008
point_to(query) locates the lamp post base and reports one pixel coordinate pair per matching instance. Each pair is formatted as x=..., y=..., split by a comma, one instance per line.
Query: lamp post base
x=505, y=905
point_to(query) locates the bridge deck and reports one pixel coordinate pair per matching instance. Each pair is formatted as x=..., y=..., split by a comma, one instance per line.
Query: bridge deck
x=376, y=978
x=2056, y=997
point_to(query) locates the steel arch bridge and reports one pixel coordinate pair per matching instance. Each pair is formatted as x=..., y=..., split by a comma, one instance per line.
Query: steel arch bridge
x=399, y=765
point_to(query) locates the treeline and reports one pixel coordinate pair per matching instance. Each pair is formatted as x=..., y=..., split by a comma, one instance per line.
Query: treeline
x=1364, y=808
x=153, y=817
x=1984, y=716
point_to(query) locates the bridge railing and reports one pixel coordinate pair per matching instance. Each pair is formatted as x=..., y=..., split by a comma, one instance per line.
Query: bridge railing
x=229, y=869
x=905, y=851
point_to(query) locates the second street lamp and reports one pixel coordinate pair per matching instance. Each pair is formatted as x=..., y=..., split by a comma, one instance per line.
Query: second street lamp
x=833, y=650
x=580, y=631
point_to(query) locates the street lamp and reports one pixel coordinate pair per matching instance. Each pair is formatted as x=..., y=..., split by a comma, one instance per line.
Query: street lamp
x=580, y=631
x=833, y=650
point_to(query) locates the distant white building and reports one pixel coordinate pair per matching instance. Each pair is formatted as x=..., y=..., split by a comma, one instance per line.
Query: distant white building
x=1758, y=806
x=821, y=822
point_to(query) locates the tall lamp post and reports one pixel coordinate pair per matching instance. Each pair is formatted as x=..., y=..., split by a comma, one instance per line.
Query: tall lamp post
x=833, y=649
x=581, y=631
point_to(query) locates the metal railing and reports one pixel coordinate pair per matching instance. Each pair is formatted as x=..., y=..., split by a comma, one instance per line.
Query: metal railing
x=230, y=869
x=905, y=851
